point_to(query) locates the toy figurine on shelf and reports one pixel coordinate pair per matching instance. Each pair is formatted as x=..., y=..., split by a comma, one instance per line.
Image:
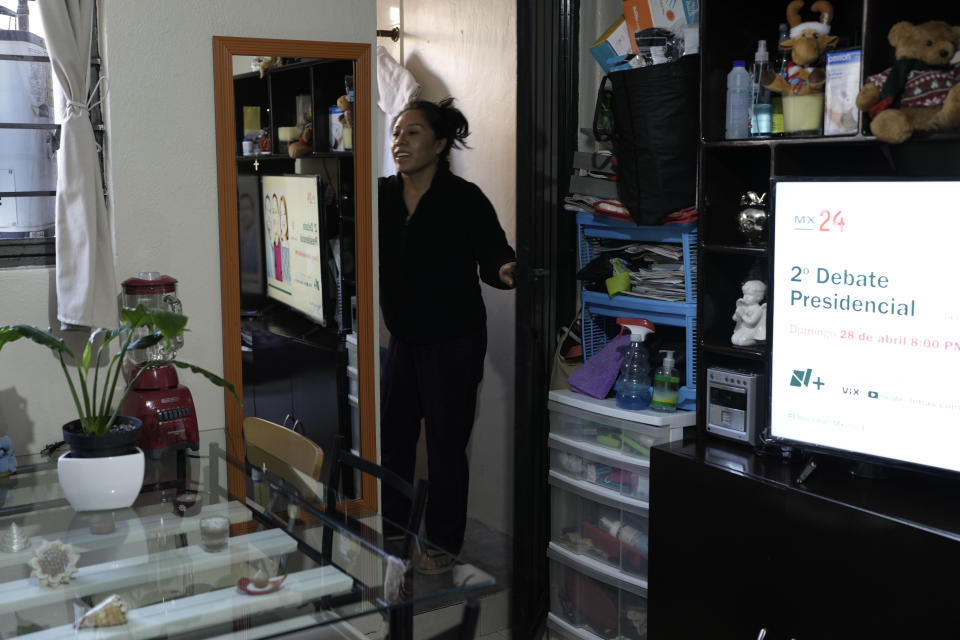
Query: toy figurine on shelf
x=802, y=84
x=921, y=91
x=750, y=315
x=808, y=43
x=752, y=219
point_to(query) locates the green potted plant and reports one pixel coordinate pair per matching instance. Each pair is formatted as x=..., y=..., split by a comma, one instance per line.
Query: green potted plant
x=99, y=435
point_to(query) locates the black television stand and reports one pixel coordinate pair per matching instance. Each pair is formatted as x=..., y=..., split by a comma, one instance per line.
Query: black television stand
x=738, y=543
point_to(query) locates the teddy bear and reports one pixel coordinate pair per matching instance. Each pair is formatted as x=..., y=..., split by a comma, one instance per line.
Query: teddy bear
x=921, y=91
x=304, y=144
x=267, y=63
x=807, y=44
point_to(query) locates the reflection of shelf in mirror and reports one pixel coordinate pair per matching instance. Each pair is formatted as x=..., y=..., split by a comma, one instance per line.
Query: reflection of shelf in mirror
x=282, y=156
x=764, y=142
x=737, y=249
x=754, y=353
x=290, y=66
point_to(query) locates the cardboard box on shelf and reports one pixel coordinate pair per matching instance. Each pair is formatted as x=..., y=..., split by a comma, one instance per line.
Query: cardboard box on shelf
x=612, y=44
x=840, y=113
x=675, y=15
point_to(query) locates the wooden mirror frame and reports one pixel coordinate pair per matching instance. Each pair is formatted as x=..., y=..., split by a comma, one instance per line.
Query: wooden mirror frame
x=224, y=48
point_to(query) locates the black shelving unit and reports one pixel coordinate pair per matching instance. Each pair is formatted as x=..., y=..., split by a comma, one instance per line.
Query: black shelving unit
x=729, y=168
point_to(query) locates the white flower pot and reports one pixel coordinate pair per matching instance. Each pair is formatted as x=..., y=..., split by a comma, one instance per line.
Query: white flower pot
x=95, y=484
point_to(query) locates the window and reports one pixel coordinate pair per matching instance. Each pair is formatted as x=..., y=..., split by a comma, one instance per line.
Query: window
x=29, y=136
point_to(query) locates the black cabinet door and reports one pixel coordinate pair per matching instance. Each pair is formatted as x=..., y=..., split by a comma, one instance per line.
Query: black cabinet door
x=857, y=574
x=316, y=391
x=304, y=385
x=714, y=543
x=733, y=552
x=266, y=373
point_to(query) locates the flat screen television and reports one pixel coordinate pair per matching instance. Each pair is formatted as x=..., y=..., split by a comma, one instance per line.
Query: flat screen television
x=294, y=241
x=865, y=320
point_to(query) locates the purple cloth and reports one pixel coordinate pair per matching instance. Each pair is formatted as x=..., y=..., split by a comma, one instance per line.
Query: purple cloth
x=597, y=375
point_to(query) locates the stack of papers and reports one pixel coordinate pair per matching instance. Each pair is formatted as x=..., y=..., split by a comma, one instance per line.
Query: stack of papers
x=662, y=278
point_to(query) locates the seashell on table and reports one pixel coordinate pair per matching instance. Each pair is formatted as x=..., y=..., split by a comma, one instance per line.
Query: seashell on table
x=109, y=613
x=53, y=563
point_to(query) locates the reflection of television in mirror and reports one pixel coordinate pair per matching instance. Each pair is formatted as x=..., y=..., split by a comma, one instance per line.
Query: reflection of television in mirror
x=250, y=230
x=295, y=244
x=865, y=326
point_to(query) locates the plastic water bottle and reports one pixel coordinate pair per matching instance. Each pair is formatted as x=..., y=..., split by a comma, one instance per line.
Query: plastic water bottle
x=738, y=102
x=633, y=387
x=779, y=66
x=761, y=101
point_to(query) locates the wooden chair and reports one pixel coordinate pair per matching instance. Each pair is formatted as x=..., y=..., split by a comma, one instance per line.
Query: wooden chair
x=292, y=457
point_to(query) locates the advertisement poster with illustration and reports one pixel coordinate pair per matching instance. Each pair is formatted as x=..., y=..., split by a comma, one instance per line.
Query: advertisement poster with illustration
x=291, y=212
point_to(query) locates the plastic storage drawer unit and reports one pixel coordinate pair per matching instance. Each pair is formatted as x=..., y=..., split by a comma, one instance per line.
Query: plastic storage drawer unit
x=599, y=525
x=560, y=629
x=586, y=601
x=351, y=342
x=600, y=466
x=581, y=418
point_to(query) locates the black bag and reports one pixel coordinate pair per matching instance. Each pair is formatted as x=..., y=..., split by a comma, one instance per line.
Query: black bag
x=655, y=132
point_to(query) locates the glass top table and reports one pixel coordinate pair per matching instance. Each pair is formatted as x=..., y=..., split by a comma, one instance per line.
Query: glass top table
x=190, y=560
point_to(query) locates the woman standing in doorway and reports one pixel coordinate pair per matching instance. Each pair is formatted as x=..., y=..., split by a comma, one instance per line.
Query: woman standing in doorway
x=437, y=232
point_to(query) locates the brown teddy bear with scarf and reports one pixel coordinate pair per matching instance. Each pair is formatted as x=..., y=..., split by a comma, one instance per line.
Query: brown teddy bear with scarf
x=920, y=92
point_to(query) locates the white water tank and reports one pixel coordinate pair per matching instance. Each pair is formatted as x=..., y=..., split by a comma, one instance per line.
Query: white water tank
x=27, y=160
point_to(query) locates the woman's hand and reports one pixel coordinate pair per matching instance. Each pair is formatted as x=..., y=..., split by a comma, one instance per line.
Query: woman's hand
x=507, y=273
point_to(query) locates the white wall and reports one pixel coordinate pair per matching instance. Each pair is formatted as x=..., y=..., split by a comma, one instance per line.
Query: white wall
x=468, y=49
x=161, y=172
x=595, y=17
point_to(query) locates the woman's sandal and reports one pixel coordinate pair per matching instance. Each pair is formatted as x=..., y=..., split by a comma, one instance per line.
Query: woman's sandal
x=433, y=562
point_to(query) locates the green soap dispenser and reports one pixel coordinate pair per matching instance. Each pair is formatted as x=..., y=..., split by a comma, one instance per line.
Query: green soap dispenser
x=666, y=382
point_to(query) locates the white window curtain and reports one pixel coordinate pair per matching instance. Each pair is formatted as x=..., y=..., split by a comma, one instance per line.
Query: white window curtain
x=86, y=280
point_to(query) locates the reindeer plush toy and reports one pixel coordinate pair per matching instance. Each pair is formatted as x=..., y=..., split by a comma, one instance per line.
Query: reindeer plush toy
x=807, y=44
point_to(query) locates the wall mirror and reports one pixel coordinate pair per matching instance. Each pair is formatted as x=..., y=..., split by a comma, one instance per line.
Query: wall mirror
x=296, y=243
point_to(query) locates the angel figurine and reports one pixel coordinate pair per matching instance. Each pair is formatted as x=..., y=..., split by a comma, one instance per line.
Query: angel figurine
x=750, y=315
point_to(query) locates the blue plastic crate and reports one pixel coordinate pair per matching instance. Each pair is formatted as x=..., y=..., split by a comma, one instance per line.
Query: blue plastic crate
x=600, y=310
x=594, y=227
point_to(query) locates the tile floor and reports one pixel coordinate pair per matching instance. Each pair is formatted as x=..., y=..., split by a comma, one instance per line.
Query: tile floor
x=492, y=552
x=486, y=553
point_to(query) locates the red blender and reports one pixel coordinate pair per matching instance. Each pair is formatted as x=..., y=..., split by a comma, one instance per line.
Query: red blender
x=158, y=399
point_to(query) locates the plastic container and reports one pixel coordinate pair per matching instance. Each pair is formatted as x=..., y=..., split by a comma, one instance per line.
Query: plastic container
x=336, y=128
x=587, y=598
x=633, y=386
x=599, y=524
x=738, y=102
x=779, y=65
x=612, y=471
x=602, y=424
x=352, y=380
x=559, y=629
x=761, y=103
x=666, y=384
x=803, y=115
x=351, y=342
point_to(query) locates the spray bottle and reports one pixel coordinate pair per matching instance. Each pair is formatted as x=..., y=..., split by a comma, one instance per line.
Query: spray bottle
x=666, y=382
x=633, y=387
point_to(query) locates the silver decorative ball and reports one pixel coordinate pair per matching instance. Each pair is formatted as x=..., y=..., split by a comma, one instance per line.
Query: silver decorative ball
x=752, y=224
